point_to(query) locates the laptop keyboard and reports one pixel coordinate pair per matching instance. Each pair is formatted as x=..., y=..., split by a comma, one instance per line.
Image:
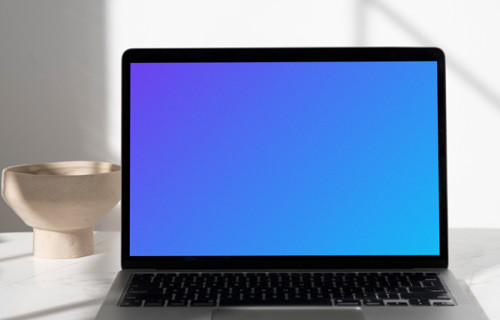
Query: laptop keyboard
x=285, y=289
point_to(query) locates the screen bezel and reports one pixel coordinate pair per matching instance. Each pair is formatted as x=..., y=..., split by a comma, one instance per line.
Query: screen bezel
x=283, y=55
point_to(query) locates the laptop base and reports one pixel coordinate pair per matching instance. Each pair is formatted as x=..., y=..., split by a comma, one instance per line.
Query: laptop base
x=464, y=309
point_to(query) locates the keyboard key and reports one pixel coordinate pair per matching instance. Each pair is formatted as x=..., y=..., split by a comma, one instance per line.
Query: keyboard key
x=276, y=302
x=347, y=302
x=203, y=303
x=443, y=304
x=177, y=303
x=373, y=302
x=154, y=303
x=388, y=296
x=425, y=295
x=131, y=303
x=396, y=304
x=419, y=302
x=423, y=289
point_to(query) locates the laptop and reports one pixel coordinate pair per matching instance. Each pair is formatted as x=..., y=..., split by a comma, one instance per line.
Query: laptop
x=285, y=183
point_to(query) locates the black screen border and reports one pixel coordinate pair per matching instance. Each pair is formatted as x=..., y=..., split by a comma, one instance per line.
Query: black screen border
x=283, y=55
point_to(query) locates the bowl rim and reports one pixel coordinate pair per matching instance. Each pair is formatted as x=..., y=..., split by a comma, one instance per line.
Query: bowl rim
x=113, y=168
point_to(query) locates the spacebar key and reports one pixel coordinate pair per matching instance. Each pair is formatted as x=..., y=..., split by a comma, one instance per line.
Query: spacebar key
x=316, y=302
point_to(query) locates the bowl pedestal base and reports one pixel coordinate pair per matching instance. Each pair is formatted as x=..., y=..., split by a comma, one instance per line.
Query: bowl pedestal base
x=63, y=244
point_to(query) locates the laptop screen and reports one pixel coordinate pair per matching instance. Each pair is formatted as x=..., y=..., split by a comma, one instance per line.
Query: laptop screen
x=284, y=158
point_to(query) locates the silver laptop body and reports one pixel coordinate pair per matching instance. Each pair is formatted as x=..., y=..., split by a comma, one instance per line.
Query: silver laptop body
x=285, y=163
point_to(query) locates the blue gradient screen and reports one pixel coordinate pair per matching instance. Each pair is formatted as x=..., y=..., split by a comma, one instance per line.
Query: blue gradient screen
x=284, y=159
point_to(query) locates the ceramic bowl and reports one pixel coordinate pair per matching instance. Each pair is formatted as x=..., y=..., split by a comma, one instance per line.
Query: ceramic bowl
x=62, y=201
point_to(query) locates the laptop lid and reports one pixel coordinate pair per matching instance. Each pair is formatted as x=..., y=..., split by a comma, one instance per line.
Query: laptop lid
x=284, y=158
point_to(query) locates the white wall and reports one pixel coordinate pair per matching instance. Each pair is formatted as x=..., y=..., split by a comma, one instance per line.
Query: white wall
x=60, y=72
x=53, y=87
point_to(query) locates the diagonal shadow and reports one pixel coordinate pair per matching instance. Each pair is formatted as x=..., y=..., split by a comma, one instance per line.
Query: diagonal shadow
x=62, y=308
x=16, y=257
x=465, y=74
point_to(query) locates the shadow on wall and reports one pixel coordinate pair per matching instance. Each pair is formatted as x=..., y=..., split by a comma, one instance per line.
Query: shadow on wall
x=363, y=6
x=53, y=87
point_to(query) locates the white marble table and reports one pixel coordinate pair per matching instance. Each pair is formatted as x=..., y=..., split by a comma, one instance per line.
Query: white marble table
x=34, y=288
